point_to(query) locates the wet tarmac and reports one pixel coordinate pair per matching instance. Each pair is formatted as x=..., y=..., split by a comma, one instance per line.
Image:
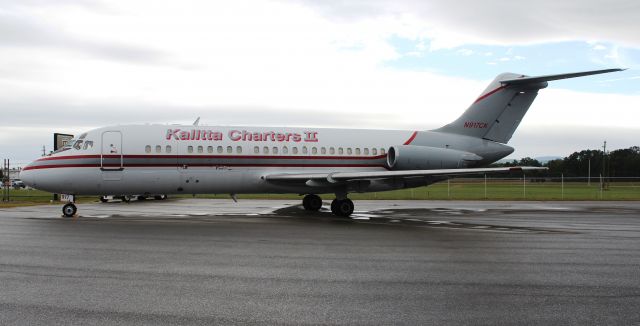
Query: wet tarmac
x=199, y=261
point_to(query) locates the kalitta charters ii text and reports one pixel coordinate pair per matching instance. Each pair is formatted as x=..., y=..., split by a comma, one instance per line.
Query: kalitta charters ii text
x=242, y=135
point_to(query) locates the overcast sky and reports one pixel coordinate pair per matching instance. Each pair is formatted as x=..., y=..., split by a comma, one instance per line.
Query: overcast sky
x=72, y=65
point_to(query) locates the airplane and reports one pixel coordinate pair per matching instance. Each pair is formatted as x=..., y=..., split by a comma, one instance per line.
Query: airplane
x=194, y=159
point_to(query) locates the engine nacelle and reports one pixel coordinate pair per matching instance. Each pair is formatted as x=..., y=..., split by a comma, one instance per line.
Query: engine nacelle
x=411, y=157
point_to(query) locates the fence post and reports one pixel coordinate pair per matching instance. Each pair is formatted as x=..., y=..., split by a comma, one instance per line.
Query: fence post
x=4, y=163
x=524, y=185
x=562, y=185
x=448, y=188
x=485, y=186
x=601, y=186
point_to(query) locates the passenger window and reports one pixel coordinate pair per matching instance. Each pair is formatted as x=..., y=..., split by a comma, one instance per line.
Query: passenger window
x=256, y=150
x=323, y=150
x=219, y=149
x=340, y=151
x=285, y=150
x=374, y=151
x=275, y=150
x=88, y=144
x=239, y=149
x=209, y=149
x=147, y=149
x=357, y=151
x=366, y=151
x=314, y=150
x=265, y=150
x=158, y=149
x=382, y=151
x=304, y=150
x=200, y=149
x=229, y=149
x=332, y=150
x=349, y=151
x=190, y=149
x=168, y=149
x=294, y=150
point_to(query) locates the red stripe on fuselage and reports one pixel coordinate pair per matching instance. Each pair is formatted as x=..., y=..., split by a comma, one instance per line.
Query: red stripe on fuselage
x=59, y=166
x=413, y=136
x=288, y=157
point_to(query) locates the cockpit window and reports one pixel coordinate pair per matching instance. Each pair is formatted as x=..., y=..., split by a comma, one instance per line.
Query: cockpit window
x=88, y=144
x=66, y=146
x=78, y=145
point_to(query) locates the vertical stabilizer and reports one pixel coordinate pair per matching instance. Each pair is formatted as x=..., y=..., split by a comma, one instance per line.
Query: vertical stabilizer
x=498, y=111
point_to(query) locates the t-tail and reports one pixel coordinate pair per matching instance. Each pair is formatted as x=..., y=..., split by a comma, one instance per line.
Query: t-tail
x=498, y=111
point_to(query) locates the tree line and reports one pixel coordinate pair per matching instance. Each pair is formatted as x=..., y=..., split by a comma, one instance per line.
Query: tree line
x=617, y=163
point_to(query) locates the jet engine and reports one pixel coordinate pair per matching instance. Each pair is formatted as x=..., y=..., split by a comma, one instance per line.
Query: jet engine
x=411, y=157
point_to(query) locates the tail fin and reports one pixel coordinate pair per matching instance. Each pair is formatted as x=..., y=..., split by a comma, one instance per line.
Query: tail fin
x=496, y=114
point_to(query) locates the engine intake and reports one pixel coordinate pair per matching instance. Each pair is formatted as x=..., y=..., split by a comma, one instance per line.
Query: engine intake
x=411, y=157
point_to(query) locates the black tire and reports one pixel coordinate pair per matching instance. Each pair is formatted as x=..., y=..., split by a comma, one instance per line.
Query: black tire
x=334, y=206
x=69, y=210
x=125, y=199
x=104, y=199
x=160, y=197
x=312, y=202
x=142, y=197
x=305, y=202
x=343, y=207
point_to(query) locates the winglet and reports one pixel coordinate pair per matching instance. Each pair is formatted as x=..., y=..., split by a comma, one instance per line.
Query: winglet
x=195, y=123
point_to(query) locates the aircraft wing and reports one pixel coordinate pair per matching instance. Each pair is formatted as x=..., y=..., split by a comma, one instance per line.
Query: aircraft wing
x=336, y=177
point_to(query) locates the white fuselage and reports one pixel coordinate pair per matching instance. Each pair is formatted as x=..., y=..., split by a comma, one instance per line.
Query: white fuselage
x=169, y=159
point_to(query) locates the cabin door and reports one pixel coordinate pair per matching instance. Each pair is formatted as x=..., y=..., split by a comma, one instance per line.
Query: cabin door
x=111, y=156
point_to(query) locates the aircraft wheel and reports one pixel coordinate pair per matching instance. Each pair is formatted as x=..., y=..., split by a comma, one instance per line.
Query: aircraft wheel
x=334, y=206
x=104, y=199
x=126, y=199
x=160, y=197
x=312, y=202
x=142, y=197
x=68, y=210
x=342, y=207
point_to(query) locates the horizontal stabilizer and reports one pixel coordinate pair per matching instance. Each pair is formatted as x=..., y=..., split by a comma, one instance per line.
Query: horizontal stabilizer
x=538, y=79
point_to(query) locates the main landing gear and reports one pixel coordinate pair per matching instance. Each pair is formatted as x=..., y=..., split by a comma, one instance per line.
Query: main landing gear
x=342, y=207
x=339, y=207
x=312, y=202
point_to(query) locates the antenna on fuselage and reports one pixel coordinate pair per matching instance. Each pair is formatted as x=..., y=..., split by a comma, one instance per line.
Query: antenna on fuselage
x=195, y=123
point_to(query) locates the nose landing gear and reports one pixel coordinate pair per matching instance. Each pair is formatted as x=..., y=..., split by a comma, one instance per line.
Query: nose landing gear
x=69, y=210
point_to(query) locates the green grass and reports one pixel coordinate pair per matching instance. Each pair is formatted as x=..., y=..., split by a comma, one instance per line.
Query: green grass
x=457, y=189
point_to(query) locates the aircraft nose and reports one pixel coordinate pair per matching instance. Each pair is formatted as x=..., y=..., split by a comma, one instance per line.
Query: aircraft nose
x=28, y=176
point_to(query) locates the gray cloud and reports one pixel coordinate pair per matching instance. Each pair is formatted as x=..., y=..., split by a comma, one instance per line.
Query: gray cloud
x=513, y=22
x=20, y=30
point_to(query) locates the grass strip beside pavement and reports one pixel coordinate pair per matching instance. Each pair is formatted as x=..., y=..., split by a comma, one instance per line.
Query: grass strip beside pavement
x=457, y=189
